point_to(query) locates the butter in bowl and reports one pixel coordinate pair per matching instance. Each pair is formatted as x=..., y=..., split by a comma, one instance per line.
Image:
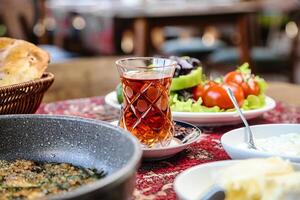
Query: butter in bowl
x=253, y=179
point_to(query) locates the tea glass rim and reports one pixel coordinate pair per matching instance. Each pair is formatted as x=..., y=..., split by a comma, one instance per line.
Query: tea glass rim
x=120, y=64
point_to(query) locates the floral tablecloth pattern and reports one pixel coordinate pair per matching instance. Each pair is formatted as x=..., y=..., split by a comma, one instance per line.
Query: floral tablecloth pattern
x=155, y=179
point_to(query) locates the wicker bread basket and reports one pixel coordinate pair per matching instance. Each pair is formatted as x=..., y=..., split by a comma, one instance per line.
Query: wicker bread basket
x=24, y=98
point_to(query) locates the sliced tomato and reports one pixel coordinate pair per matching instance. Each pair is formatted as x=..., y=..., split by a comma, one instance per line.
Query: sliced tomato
x=234, y=77
x=209, y=84
x=249, y=85
x=216, y=95
x=199, y=90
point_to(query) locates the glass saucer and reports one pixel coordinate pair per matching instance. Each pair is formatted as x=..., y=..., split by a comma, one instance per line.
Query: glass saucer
x=185, y=135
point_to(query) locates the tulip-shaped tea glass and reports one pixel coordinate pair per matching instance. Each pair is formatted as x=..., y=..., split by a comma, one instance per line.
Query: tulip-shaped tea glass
x=146, y=111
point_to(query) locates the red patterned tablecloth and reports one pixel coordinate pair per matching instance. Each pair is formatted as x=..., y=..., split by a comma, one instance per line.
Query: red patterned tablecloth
x=155, y=179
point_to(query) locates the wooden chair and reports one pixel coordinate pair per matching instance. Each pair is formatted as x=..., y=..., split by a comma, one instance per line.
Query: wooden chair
x=19, y=17
x=264, y=59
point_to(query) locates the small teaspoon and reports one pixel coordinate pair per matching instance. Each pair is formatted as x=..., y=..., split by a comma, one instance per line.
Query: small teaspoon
x=248, y=133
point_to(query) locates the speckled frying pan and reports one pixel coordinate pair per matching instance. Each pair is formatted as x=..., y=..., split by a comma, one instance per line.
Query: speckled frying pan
x=82, y=142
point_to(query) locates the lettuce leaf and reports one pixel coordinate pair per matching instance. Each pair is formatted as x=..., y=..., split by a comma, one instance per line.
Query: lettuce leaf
x=244, y=68
x=252, y=102
x=262, y=84
x=189, y=105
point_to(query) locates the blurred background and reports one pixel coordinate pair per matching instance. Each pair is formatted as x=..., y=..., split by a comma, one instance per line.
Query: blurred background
x=92, y=34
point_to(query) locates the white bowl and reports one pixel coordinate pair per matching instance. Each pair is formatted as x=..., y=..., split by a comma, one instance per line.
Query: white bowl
x=192, y=183
x=232, y=140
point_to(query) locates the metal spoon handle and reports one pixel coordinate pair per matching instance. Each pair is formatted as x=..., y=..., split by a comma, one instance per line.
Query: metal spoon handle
x=236, y=105
x=215, y=192
x=249, y=135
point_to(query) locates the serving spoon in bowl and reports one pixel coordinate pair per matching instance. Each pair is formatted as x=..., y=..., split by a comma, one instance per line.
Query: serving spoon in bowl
x=248, y=133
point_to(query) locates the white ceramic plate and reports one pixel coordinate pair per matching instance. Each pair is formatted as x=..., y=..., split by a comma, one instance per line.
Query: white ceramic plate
x=206, y=119
x=231, y=140
x=178, y=143
x=192, y=183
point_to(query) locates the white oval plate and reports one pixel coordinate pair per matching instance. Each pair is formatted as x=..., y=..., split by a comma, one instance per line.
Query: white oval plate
x=206, y=118
x=193, y=182
x=176, y=145
x=232, y=140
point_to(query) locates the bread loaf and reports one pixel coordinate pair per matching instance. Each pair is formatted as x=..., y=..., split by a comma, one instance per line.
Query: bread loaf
x=20, y=61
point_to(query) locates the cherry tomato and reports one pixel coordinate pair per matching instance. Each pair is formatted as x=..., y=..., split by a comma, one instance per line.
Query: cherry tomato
x=216, y=95
x=209, y=84
x=250, y=87
x=234, y=77
x=199, y=90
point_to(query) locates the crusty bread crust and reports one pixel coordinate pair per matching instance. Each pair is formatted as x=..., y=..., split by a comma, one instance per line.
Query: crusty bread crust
x=20, y=61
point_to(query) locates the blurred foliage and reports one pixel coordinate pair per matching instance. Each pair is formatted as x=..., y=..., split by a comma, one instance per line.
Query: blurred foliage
x=3, y=30
x=272, y=19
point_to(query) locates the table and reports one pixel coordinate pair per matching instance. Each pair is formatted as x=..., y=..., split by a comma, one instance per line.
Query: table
x=155, y=179
x=97, y=76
